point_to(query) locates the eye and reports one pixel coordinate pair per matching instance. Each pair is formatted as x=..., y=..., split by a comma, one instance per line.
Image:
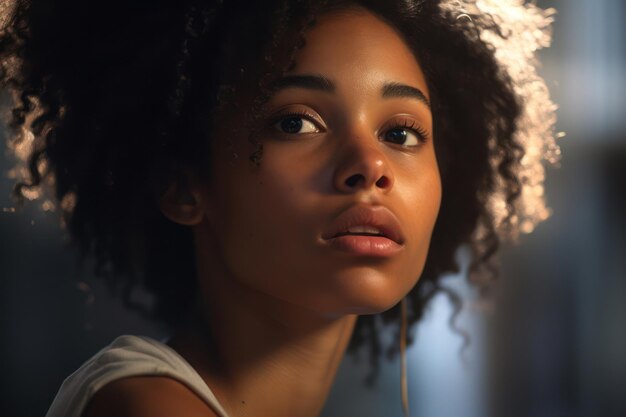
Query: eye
x=407, y=134
x=295, y=123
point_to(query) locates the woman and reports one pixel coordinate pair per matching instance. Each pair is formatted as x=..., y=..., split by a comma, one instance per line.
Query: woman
x=278, y=175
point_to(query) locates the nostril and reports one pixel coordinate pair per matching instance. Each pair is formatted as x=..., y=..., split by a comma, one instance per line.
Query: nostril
x=353, y=180
x=383, y=182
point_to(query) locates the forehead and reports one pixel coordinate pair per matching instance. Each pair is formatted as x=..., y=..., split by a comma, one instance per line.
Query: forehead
x=356, y=46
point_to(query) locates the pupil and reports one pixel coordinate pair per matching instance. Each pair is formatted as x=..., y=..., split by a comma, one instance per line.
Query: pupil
x=396, y=136
x=291, y=124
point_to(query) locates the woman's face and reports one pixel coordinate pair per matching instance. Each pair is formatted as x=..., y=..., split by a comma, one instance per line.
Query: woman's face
x=347, y=135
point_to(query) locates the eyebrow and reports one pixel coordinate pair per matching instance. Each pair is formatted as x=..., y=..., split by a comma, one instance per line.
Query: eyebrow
x=321, y=83
x=403, y=90
x=311, y=82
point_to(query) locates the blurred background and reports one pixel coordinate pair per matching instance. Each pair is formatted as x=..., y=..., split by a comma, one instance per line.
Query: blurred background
x=553, y=344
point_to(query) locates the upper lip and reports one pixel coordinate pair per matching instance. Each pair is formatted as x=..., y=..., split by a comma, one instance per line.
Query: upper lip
x=379, y=217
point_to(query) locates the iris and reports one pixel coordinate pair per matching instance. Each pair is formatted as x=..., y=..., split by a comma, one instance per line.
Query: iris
x=291, y=124
x=396, y=136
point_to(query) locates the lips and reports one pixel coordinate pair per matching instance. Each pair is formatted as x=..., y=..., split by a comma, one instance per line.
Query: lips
x=362, y=220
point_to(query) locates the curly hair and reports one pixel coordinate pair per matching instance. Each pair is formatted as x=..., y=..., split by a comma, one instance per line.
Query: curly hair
x=111, y=102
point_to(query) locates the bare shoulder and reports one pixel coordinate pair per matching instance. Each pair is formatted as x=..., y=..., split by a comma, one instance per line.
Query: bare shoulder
x=147, y=396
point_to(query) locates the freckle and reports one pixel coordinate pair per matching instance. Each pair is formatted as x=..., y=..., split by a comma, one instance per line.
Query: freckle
x=243, y=402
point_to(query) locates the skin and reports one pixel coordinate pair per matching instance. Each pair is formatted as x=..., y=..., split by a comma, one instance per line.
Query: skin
x=276, y=307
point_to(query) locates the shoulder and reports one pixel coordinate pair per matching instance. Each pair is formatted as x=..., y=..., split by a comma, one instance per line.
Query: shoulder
x=143, y=396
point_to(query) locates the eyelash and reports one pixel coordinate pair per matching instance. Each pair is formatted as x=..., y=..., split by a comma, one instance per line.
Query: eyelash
x=298, y=113
x=420, y=132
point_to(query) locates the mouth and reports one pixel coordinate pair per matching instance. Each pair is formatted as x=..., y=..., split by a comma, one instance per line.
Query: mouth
x=362, y=231
x=370, y=245
x=366, y=230
x=372, y=221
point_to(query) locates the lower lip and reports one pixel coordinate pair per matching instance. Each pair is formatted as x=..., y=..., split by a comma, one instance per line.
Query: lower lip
x=377, y=246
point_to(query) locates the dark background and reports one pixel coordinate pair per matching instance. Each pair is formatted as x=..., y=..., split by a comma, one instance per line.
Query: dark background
x=554, y=343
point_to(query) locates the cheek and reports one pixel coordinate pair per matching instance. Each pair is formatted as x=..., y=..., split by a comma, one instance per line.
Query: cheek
x=424, y=220
x=426, y=201
x=264, y=214
x=421, y=192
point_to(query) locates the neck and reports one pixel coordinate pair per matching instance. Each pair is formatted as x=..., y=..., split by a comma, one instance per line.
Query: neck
x=260, y=355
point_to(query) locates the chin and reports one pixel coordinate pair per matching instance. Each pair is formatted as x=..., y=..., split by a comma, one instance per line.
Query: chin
x=363, y=294
x=360, y=308
x=374, y=306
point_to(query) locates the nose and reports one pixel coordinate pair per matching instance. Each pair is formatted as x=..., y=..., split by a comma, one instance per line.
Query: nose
x=361, y=166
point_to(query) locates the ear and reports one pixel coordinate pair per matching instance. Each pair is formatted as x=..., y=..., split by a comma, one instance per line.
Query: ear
x=184, y=202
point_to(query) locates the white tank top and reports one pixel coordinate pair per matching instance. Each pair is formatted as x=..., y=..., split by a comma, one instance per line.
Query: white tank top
x=127, y=356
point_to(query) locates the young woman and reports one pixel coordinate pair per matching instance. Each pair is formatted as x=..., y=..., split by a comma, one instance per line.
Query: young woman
x=277, y=174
